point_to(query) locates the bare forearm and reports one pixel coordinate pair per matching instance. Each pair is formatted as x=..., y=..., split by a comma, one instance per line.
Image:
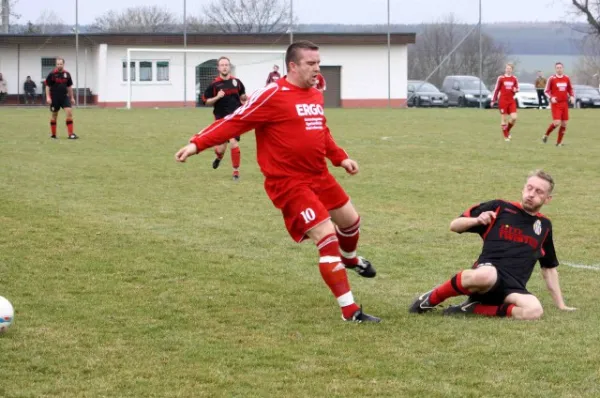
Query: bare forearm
x=462, y=224
x=47, y=92
x=212, y=101
x=551, y=277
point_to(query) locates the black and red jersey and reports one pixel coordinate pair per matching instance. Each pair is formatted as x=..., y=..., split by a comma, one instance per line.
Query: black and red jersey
x=233, y=88
x=515, y=240
x=59, y=81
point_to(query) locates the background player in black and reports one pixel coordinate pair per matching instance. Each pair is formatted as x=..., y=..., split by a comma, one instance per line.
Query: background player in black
x=226, y=93
x=515, y=236
x=59, y=94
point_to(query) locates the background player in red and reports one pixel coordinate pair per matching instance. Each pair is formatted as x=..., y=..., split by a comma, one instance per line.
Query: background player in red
x=293, y=143
x=320, y=83
x=225, y=94
x=59, y=94
x=506, y=87
x=560, y=92
x=274, y=76
x=515, y=236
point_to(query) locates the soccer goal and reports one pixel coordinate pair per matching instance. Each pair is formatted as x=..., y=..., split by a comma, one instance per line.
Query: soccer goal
x=170, y=77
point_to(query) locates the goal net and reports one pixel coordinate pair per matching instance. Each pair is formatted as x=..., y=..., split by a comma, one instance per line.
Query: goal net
x=161, y=77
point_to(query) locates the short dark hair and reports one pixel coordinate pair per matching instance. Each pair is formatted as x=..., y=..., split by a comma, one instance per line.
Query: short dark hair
x=61, y=58
x=222, y=58
x=291, y=55
x=558, y=63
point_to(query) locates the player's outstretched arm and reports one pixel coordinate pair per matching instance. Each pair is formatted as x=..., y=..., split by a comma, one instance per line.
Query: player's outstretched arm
x=551, y=277
x=186, y=152
x=463, y=224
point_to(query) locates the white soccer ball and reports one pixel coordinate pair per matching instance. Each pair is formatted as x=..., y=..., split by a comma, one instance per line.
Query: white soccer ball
x=7, y=314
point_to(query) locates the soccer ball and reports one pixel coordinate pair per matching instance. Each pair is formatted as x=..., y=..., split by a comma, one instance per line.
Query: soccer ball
x=7, y=314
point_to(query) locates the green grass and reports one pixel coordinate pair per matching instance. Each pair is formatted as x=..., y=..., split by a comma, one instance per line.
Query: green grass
x=134, y=276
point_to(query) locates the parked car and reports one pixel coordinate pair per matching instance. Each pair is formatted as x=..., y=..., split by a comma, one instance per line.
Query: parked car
x=527, y=97
x=422, y=93
x=586, y=96
x=466, y=91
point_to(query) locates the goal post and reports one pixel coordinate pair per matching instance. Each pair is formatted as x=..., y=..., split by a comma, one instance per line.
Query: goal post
x=162, y=75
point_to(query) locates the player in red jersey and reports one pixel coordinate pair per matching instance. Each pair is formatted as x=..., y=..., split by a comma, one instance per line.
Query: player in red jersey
x=506, y=87
x=293, y=143
x=274, y=75
x=560, y=92
x=320, y=83
x=515, y=236
x=59, y=94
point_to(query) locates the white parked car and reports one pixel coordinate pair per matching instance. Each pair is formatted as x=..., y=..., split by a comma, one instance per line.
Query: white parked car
x=527, y=96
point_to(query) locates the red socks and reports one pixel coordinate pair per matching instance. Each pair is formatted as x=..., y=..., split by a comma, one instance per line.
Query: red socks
x=53, y=127
x=450, y=288
x=504, y=310
x=561, y=134
x=334, y=274
x=550, y=129
x=509, y=127
x=504, y=130
x=348, y=238
x=235, y=157
x=70, y=126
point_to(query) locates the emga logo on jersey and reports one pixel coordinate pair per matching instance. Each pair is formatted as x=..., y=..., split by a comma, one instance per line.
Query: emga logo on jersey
x=309, y=110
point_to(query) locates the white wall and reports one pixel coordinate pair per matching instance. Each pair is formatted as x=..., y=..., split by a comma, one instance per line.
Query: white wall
x=15, y=65
x=252, y=69
x=365, y=70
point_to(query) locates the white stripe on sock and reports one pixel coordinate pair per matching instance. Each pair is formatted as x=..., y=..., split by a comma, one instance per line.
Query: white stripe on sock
x=330, y=259
x=347, y=234
x=345, y=299
x=348, y=255
x=339, y=267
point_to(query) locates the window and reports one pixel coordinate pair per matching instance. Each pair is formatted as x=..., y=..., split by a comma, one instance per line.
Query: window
x=132, y=66
x=48, y=64
x=145, y=71
x=162, y=71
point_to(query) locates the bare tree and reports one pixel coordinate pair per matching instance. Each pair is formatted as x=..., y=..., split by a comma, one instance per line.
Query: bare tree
x=143, y=19
x=435, y=44
x=199, y=25
x=249, y=16
x=590, y=10
x=587, y=68
x=48, y=22
x=6, y=12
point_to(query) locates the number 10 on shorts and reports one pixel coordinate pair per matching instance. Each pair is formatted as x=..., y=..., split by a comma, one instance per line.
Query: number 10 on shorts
x=308, y=215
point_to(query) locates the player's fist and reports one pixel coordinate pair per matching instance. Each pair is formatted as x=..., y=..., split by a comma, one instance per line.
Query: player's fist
x=350, y=165
x=486, y=217
x=553, y=100
x=186, y=152
x=572, y=99
x=492, y=104
x=221, y=94
x=48, y=100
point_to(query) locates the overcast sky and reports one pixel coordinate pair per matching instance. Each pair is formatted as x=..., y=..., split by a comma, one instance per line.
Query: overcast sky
x=332, y=11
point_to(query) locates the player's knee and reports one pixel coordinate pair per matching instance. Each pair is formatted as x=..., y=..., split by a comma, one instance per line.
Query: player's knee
x=533, y=313
x=485, y=277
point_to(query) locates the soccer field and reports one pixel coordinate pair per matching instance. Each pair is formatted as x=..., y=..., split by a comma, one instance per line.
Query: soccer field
x=135, y=276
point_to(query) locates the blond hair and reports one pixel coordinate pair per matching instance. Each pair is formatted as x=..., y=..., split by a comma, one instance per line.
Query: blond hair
x=539, y=173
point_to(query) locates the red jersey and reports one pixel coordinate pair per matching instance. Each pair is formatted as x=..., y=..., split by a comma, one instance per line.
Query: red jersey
x=559, y=87
x=320, y=84
x=506, y=87
x=273, y=77
x=292, y=138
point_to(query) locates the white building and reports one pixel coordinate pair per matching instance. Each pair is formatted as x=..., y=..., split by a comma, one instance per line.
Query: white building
x=355, y=66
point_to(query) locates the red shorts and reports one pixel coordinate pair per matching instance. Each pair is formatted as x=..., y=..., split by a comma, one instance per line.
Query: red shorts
x=305, y=203
x=560, y=111
x=507, y=108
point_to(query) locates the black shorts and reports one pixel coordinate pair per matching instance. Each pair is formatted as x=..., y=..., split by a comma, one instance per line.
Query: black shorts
x=505, y=285
x=60, y=103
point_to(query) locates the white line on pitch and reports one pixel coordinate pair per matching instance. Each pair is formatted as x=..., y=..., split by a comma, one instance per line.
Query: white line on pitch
x=594, y=267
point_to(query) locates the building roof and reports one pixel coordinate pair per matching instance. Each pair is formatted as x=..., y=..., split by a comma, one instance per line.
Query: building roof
x=176, y=39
